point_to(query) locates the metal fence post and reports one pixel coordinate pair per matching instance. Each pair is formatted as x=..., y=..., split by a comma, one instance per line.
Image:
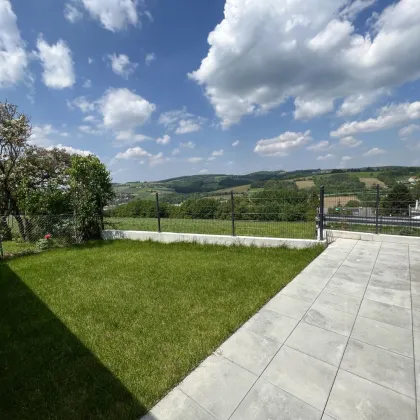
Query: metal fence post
x=377, y=209
x=232, y=197
x=321, y=213
x=158, y=212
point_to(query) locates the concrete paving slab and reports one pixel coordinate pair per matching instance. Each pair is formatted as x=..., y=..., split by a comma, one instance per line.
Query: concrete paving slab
x=417, y=344
x=303, y=376
x=415, y=302
x=415, y=288
x=346, y=287
x=218, y=385
x=384, y=312
x=177, y=406
x=355, y=398
x=285, y=305
x=315, y=281
x=330, y=319
x=249, y=350
x=386, y=336
x=272, y=325
x=266, y=401
x=416, y=320
x=301, y=292
x=324, y=345
x=340, y=302
x=390, y=296
x=388, y=369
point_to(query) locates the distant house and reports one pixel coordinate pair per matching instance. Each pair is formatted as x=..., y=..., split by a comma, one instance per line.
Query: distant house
x=413, y=180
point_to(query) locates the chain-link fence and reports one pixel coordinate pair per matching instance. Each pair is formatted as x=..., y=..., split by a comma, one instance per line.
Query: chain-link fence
x=275, y=214
x=375, y=210
x=20, y=234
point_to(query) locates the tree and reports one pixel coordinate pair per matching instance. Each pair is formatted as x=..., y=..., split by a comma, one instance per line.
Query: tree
x=397, y=202
x=91, y=190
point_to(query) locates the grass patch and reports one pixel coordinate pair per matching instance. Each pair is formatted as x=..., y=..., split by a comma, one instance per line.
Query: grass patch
x=104, y=330
x=371, y=228
x=294, y=230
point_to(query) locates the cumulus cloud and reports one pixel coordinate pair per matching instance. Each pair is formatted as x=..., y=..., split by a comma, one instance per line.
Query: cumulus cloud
x=187, y=145
x=220, y=152
x=13, y=56
x=211, y=158
x=133, y=153
x=282, y=144
x=150, y=58
x=57, y=63
x=71, y=150
x=87, y=84
x=176, y=151
x=87, y=129
x=264, y=52
x=164, y=139
x=83, y=104
x=115, y=15
x=346, y=158
x=408, y=131
x=194, y=159
x=235, y=143
x=122, y=65
x=318, y=147
x=374, y=152
x=72, y=13
x=350, y=142
x=129, y=136
x=181, y=121
x=326, y=157
x=389, y=117
x=45, y=135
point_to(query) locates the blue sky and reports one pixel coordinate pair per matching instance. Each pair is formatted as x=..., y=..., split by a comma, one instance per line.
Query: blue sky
x=162, y=88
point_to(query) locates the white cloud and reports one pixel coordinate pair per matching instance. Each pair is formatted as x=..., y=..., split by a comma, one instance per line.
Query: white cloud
x=90, y=60
x=346, y=158
x=133, y=153
x=194, y=159
x=163, y=140
x=389, y=117
x=211, y=158
x=44, y=135
x=409, y=130
x=350, y=142
x=87, y=84
x=220, y=152
x=326, y=157
x=318, y=147
x=13, y=56
x=176, y=151
x=187, y=145
x=264, y=52
x=283, y=144
x=122, y=109
x=374, y=152
x=158, y=159
x=57, y=63
x=129, y=136
x=122, y=65
x=150, y=58
x=235, y=143
x=71, y=150
x=72, y=13
x=90, y=119
x=204, y=171
x=82, y=103
x=87, y=129
x=115, y=15
x=181, y=121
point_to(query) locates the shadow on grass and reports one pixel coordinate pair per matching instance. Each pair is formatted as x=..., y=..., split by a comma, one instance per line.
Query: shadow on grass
x=45, y=371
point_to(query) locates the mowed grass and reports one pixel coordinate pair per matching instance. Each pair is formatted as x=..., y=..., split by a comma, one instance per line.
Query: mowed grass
x=16, y=247
x=371, y=182
x=305, y=184
x=103, y=331
x=294, y=230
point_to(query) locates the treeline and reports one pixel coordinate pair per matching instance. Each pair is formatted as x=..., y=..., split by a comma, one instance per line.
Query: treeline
x=278, y=205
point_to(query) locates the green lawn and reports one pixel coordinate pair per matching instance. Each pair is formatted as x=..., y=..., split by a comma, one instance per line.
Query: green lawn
x=371, y=228
x=104, y=330
x=297, y=230
x=16, y=247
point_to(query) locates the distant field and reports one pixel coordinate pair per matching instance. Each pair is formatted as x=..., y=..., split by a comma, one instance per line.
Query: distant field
x=372, y=182
x=240, y=189
x=342, y=199
x=305, y=184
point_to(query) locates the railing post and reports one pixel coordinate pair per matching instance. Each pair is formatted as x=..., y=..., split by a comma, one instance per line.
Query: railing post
x=377, y=209
x=232, y=199
x=321, y=213
x=158, y=212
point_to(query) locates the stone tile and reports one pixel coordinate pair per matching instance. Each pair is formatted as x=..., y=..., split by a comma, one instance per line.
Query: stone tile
x=177, y=406
x=266, y=401
x=320, y=270
x=383, y=312
x=346, y=287
x=380, y=366
x=317, y=282
x=301, y=375
x=324, y=345
x=352, y=275
x=301, y=291
x=249, y=350
x=218, y=386
x=417, y=372
x=417, y=344
x=340, y=302
x=390, y=296
x=271, y=325
x=395, y=273
x=330, y=319
x=386, y=336
x=285, y=305
x=416, y=320
x=415, y=288
x=354, y=398
x=327, y=417
x=389, y=283
x=415, y=301
x=356, y=267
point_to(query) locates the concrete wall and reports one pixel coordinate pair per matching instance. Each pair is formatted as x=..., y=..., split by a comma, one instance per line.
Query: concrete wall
x=210, y=239
x=334, y=234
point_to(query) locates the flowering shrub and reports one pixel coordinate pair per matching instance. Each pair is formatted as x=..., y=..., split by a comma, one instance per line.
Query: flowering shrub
x=45, y=243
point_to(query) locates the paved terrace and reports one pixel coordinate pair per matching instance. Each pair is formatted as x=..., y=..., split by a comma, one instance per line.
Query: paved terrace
x=339, y=342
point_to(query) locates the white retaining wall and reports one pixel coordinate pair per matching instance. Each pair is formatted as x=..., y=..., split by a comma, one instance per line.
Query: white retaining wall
x=210, y=239
x=361, y=236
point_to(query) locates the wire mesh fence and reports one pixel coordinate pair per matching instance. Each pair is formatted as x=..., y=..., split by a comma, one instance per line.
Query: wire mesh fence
x=20, y=234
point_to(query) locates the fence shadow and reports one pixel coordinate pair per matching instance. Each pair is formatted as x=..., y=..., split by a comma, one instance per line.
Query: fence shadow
x=45, y=371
